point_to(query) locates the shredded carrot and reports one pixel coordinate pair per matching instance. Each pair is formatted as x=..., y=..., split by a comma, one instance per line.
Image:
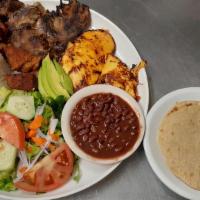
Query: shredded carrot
x=38, y=140
x=55, y=137
x=31, y=133
x=36, y=123
x=22, y=169
x=52, y=147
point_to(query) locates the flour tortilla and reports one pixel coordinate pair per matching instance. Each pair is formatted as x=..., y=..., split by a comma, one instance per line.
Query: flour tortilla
x=179, y=140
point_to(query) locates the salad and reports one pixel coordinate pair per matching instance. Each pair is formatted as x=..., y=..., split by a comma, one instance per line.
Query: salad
x=33, y=154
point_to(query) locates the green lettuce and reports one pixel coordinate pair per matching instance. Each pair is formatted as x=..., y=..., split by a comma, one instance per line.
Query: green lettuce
x=6, y=181
x=38, y=99
x=57, y=105
x=76, y=172
x=47, y=114
x=34, y=150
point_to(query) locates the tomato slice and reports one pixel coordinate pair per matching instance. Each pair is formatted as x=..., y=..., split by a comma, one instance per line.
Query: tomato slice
x=12, y=130
x=50, y=173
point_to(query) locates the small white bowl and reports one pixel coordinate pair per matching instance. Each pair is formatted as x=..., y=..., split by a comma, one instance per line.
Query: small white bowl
x=94, y=89
x=151, y=146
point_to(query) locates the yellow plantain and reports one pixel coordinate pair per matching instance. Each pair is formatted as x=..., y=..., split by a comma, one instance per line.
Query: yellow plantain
x=85, y=57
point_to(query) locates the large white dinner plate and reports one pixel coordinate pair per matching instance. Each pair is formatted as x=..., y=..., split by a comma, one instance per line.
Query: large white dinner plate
x=151, y=146
x=92, y=173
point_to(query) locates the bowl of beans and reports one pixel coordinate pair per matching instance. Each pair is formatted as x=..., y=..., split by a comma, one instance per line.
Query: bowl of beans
x=102, y=124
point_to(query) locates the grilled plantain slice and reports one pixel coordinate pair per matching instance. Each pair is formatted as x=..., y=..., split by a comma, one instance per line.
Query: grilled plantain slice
x=85, y=57
x=116, y=73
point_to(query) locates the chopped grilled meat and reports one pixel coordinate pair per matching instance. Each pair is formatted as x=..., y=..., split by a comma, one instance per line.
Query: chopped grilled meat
x=35, y=32
x=22, y=81
x=62, y=26
x=30, y=40
x=3, y=32
x=21, y=60
x=7, y=7
x=27, y=15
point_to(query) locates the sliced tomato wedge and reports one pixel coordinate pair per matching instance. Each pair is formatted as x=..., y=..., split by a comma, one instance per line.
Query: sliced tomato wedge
x=12, y=130
x=50, y=173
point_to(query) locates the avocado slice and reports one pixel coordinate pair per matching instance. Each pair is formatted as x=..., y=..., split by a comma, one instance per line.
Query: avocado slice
x=53, y=80
x=4, y=93
x=8, y=154
x=40, y=85
x=65, y=80
x=44, y=78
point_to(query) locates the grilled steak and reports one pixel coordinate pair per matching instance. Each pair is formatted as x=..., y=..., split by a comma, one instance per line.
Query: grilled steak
x=23, y=81
x=27, y=15
x=35, y=32
x=21, y=60
x=3, y=32
x=9, y=6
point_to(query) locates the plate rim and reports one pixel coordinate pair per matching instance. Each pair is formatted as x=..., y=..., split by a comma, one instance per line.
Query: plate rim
x=146, y=143
x=110, y=170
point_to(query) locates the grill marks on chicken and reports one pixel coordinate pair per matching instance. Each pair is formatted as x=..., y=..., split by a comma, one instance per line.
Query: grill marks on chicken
x=35, y=32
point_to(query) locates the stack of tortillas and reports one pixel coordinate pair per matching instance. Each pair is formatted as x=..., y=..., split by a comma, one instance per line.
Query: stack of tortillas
x=179, y=140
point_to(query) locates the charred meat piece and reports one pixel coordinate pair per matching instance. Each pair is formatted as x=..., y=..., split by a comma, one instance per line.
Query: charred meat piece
x=27, y=15
x=30, y=40
x=3, y=32
x=9, y=6
x=42, y=32
x=62, y=26
x=35, y=32
x=21, y=60
x=75, y=14
x=22, y=81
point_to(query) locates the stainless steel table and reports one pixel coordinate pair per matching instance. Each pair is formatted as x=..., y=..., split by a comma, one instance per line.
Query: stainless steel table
x=167, y=34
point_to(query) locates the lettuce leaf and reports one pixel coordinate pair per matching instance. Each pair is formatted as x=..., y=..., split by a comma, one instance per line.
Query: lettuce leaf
x=34, y=150
x=47, y=114
x=38, y=99
x=76, y=172
x=6, y=181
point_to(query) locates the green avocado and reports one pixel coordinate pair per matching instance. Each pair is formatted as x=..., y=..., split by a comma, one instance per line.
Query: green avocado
x=53, y=80
x=40, y=84
x=45, y=71
x=65, y=80
x=4, y=93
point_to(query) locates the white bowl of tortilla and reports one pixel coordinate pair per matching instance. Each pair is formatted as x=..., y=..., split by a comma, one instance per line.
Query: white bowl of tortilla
x=151, y=145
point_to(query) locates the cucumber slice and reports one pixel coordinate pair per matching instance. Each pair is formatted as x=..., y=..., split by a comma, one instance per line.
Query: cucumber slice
x=21, y=106
x=8, y=154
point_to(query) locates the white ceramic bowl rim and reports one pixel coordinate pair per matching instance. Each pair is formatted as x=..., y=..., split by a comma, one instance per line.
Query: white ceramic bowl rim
x=94, y=89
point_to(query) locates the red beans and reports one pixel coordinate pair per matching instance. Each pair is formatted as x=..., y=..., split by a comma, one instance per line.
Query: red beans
x=104, y=125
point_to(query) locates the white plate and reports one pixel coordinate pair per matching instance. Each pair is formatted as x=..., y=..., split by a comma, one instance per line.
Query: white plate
x=92, y=173
x=151, y=146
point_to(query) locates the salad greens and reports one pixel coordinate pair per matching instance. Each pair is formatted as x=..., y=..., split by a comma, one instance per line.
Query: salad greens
x=57, y=105
x=40, y=114
x=6, y=181
x=76, y=172
x=34, y=150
